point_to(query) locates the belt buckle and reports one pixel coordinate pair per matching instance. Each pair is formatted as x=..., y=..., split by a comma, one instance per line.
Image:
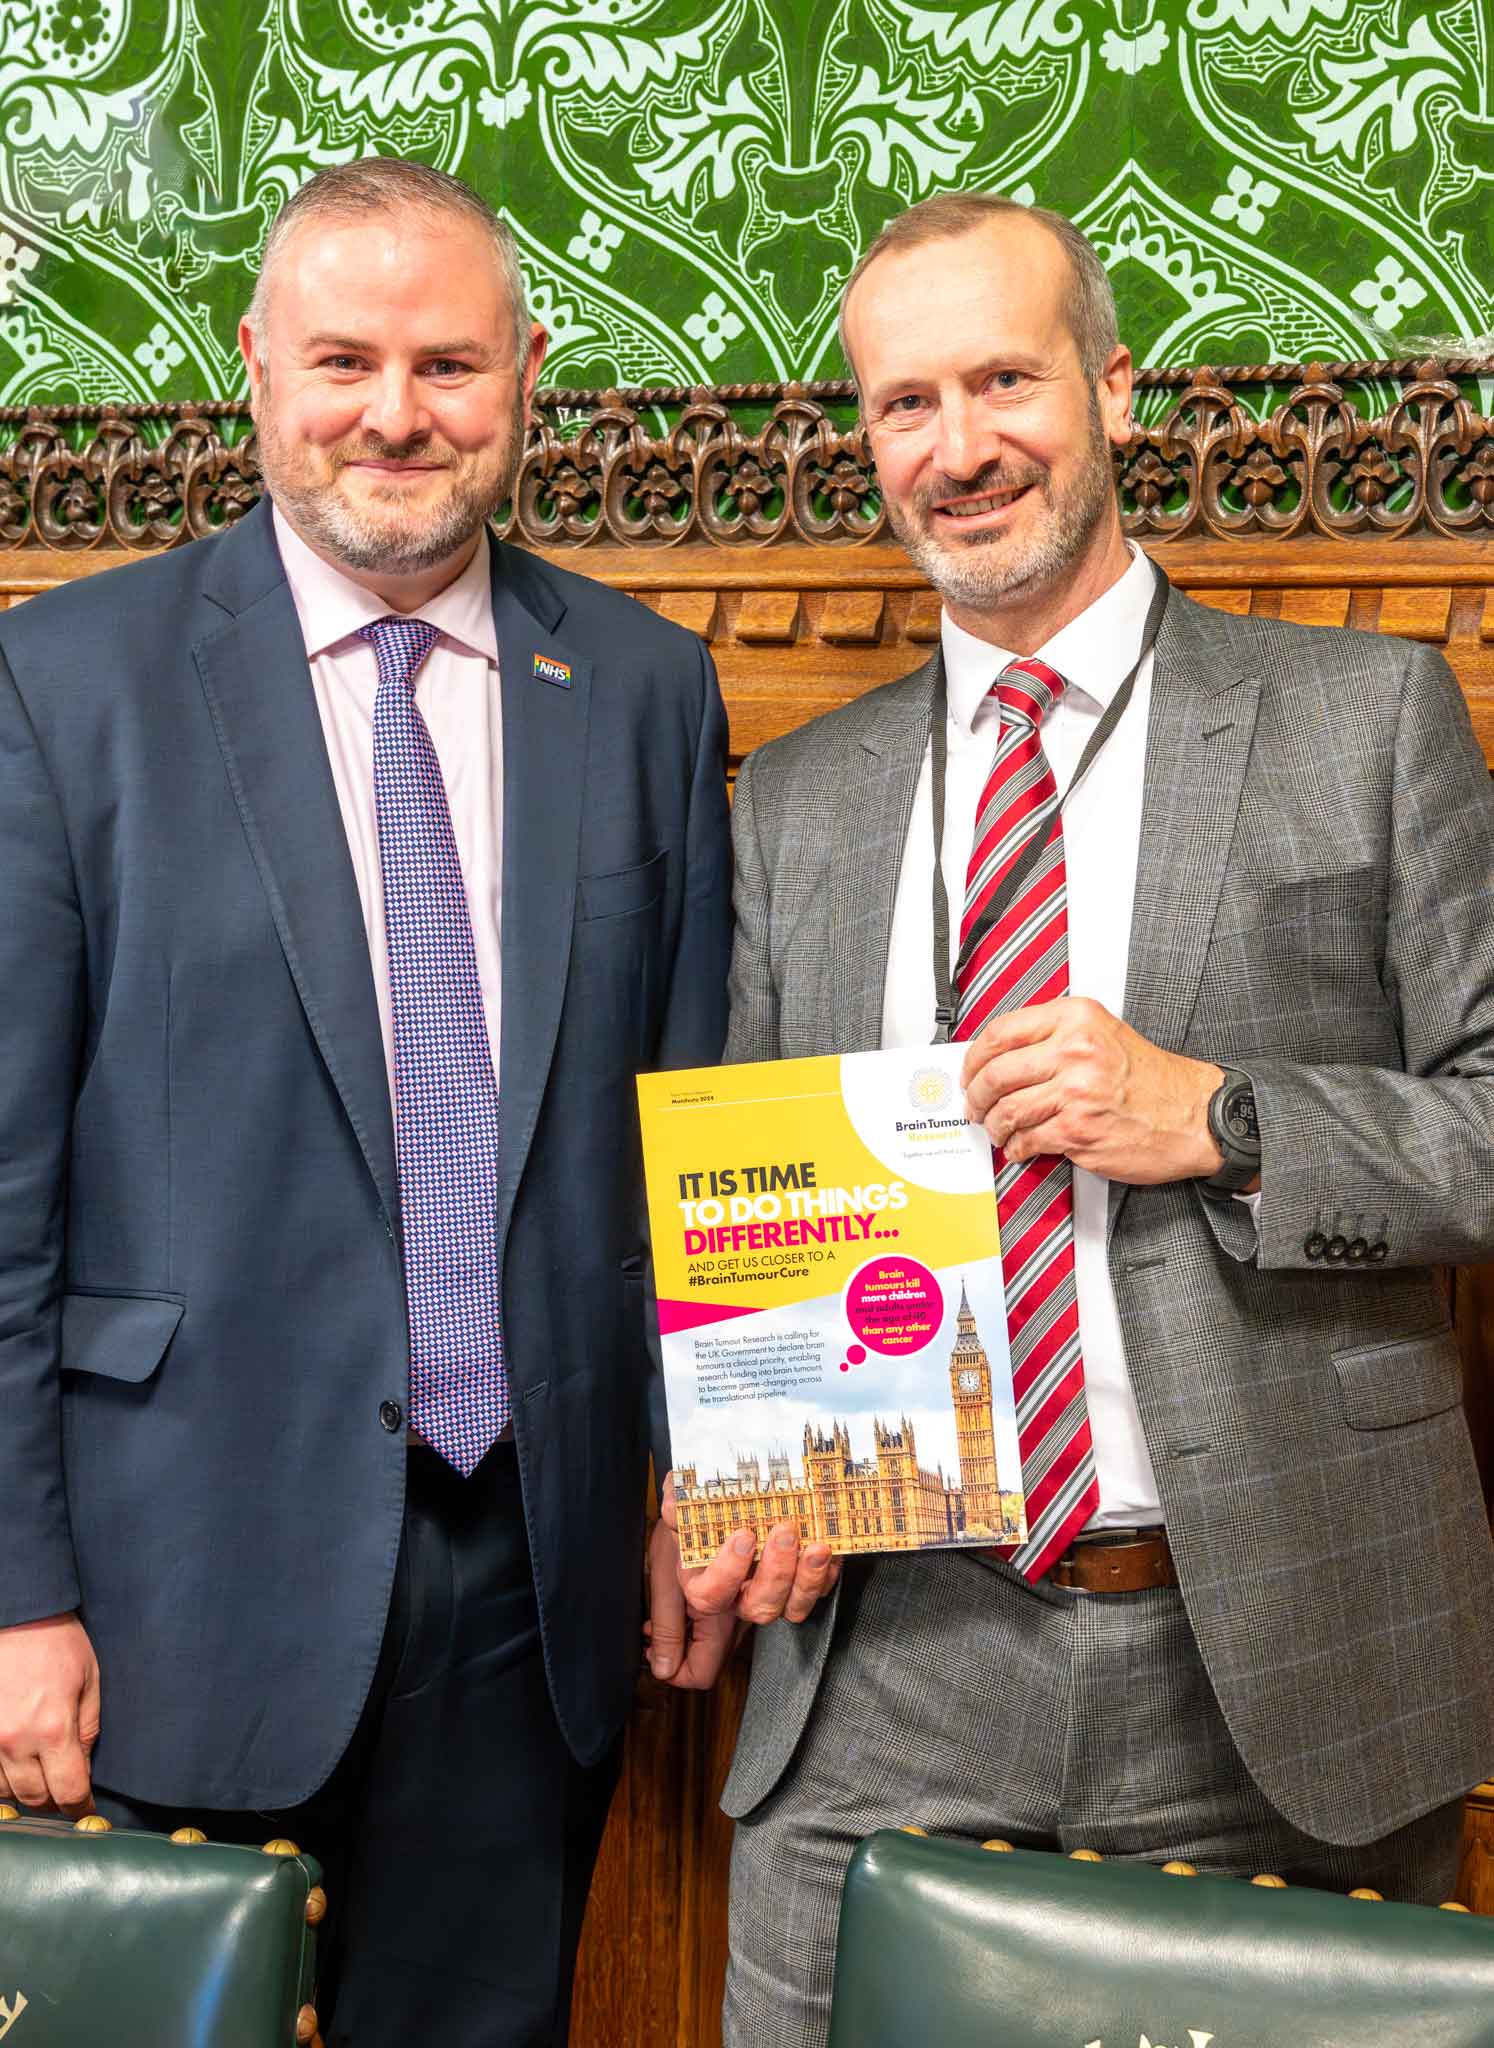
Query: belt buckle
x=1068, y=1569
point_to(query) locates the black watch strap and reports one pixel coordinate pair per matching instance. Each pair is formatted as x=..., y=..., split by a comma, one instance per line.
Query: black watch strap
x=1232, y=1126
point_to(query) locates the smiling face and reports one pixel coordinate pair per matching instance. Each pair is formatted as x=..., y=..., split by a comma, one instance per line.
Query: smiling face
x=991, y=445
x=387, y=399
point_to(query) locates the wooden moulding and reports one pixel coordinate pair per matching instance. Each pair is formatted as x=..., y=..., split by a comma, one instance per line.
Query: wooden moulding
x=745, y=465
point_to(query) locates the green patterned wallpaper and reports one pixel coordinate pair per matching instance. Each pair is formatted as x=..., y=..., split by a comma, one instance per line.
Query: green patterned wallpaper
x=690, y=182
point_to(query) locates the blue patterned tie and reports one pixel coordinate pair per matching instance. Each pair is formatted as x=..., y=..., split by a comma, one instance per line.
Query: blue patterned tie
x=445, y=1094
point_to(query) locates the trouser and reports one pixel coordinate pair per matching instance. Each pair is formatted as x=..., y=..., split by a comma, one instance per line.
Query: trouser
x=957, y=1697
x=457, y=1834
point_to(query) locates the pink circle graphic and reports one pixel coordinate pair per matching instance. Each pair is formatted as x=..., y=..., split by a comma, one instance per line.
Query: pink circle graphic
x=856, y=1354
x=894, y=1305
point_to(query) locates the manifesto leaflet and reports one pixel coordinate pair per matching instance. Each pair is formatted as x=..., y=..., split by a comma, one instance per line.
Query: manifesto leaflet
x=831, y=1312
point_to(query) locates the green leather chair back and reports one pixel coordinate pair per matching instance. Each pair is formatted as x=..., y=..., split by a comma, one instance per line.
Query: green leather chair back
x=126, y=1940
x=946, y=1945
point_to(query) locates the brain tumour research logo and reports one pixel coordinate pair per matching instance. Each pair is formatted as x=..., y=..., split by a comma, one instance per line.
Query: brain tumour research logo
x=930, y=1088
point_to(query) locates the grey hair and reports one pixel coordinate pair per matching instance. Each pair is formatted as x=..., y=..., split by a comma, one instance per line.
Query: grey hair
x=391, y=184
x=1091, y=303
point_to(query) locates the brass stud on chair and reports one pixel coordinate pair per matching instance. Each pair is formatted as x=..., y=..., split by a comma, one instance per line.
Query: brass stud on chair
x=1270, y=1883
x=911, y=1829
x=1085, y=1856
x=281, y=1846
x=1364, y=1892
x=306, y=2026
x=1453, y=1906
x=1179, y=1869
x=93, y=1824
x=1005, y=1847
x=316, y=1906
x=188, y=1835
x=10, y=1813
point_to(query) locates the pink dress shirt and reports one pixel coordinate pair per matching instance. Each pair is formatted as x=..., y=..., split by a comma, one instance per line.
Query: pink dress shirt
x=457, y=693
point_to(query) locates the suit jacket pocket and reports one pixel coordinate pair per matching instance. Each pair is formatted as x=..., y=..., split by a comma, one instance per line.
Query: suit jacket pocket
x=1315, y=904
x=1296, y=905
x=626, y=890
x=1406, y=1379
x=118, y=1336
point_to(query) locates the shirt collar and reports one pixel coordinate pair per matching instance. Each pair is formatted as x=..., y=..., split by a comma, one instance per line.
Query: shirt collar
x=1093, y=653
x=332, y=607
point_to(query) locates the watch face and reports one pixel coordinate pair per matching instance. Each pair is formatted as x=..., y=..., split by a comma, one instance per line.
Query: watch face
x=969, y=1382
x=1239, y=1114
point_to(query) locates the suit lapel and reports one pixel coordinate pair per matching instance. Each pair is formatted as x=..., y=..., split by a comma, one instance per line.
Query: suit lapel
x=1202, y=722
x=255, y=676
x=876, y=804
x=546, y=688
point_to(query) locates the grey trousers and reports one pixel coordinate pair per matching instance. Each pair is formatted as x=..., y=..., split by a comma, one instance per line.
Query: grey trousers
x=960, y=1698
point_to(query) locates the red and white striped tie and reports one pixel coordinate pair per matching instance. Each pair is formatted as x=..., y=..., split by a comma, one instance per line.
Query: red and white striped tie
x=1024, y=959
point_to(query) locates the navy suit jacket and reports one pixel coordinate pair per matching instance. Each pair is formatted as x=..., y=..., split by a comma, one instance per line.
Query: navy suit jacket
x=201, y=1292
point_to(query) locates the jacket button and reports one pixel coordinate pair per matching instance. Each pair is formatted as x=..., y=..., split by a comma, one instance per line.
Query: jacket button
x=1316, y=1245
x=1358, y=1249
x=1337, y=1246
x=1379, y=1251
x=391, y=1415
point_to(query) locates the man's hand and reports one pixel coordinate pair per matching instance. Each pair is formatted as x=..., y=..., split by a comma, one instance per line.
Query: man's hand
x=49, y=1714
x=1068, y=1078
x=682, y=1650
x=698, y=1616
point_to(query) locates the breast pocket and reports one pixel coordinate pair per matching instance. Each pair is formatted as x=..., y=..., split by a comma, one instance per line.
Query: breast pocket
x=614, y=982
x=1322, y=914
x=1294, y=964
x=623, y=893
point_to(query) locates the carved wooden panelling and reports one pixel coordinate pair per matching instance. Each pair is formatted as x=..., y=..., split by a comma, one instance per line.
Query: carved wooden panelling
x=723, y=475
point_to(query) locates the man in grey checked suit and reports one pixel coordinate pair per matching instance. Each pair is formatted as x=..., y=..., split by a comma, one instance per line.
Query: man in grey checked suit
x=1279, y=877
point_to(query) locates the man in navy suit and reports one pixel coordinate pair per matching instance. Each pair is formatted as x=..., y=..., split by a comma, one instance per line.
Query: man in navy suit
x=351, y=865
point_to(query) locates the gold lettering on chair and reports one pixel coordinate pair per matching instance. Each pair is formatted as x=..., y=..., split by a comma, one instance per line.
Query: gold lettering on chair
x=9, y=2014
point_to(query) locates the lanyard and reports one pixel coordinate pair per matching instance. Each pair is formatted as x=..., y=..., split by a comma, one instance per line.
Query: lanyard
x=1017, y=873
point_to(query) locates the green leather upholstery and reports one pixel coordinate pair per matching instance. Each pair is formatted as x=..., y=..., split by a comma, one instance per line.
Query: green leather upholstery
x=946, y=1945
x=136, y=1941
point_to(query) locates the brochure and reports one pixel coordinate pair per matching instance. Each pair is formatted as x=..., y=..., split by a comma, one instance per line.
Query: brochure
x=831, y=1311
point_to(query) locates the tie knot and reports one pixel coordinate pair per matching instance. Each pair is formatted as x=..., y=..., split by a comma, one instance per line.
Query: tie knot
x=400, y=646
x=1029, y=689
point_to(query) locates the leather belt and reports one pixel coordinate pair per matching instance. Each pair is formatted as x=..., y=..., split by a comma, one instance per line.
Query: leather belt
x=1116, y=1561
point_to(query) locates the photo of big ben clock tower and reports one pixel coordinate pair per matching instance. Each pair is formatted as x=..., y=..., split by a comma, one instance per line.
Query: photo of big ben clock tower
x=975, y=1434
x=889, y=1500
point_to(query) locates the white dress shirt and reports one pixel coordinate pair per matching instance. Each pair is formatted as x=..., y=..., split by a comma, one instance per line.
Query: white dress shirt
x=1102, y=835
x=457, y=694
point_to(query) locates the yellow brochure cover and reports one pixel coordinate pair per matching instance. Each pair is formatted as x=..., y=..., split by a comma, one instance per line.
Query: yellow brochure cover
x=831, y=1312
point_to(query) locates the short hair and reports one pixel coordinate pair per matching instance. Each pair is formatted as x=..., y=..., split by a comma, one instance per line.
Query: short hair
x=1091, y=306
x=390, y=184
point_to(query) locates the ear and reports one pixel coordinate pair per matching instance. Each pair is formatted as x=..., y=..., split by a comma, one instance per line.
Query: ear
x=539, y=341
x=1113, y=393
x=253, y=362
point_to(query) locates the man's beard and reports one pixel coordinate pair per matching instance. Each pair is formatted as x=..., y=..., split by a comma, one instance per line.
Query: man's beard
x=356, y=536
x=989, y=567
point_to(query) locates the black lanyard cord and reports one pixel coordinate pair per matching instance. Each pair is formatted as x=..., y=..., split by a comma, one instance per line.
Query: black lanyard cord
x=1011, y=882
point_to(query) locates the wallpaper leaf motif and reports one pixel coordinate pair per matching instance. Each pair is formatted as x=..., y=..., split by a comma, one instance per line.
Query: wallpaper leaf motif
x=690, y=183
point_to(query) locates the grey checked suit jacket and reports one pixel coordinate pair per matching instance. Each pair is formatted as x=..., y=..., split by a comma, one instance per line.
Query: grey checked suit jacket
x=1313, y=904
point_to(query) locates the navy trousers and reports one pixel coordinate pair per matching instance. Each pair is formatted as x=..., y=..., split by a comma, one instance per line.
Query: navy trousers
x=457, y=1834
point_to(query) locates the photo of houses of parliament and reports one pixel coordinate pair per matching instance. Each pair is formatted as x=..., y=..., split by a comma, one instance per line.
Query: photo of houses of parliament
x=885, y=1502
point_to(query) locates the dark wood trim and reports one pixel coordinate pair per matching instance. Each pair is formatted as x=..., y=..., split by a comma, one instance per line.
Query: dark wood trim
x=595, y=472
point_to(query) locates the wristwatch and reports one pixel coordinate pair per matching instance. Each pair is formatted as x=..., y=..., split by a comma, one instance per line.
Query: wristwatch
x=1233, y=1128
